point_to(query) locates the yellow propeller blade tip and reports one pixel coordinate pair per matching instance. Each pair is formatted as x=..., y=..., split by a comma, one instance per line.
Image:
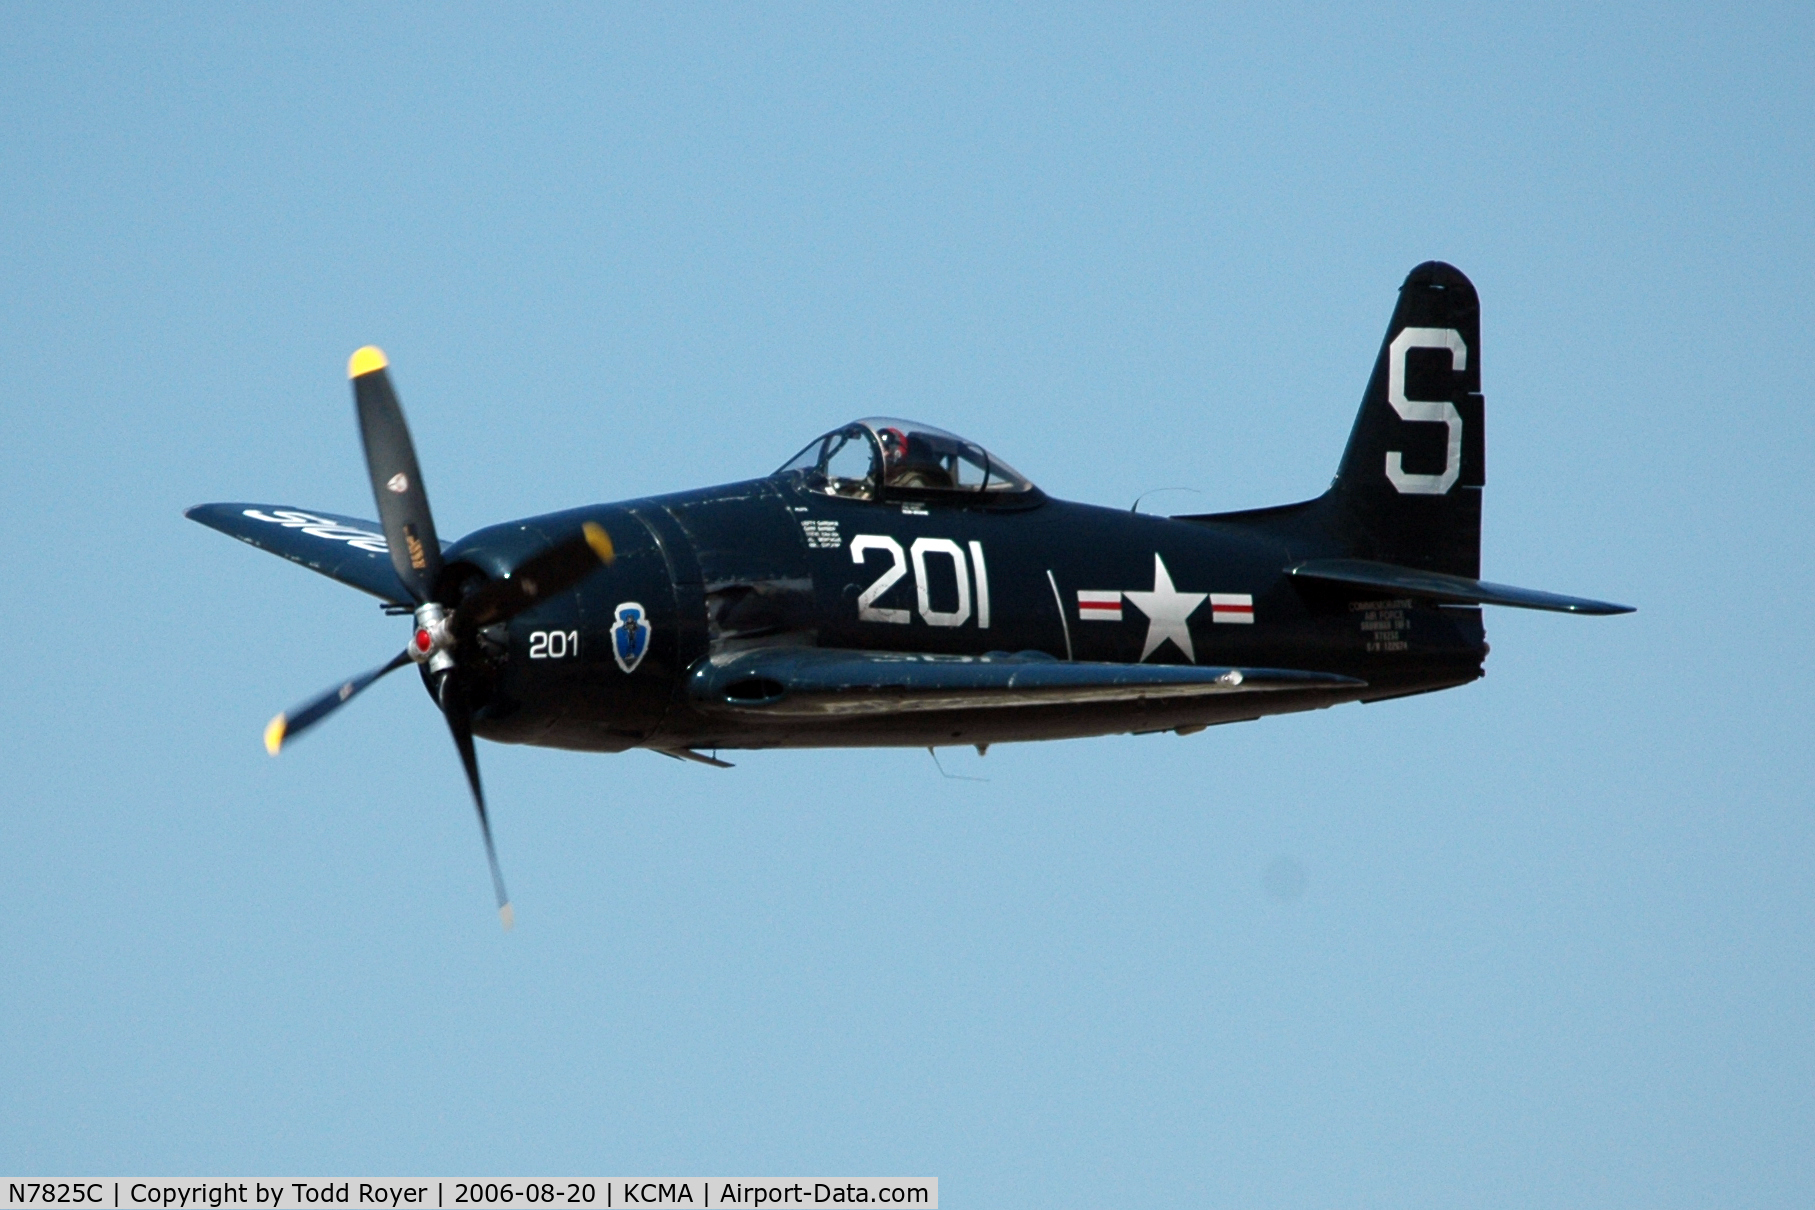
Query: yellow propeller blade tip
x=508, y=916
x=274, y=734
x=600, y=541
x=368, y=360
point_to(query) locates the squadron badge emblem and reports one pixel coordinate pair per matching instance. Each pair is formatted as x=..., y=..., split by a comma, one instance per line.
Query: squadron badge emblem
x=629, y=635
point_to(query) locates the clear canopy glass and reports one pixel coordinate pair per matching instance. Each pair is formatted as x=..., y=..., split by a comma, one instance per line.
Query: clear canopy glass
x=899, y=455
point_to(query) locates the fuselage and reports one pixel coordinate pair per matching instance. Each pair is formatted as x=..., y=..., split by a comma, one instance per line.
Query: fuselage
x=768, y=562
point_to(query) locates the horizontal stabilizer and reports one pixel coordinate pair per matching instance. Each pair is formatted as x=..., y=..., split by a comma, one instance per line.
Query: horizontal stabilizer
x=814, y=682
x=1459, y=590
x=341, y=548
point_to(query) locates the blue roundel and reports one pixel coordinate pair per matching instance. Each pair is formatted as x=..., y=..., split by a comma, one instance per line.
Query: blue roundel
x=629, y=635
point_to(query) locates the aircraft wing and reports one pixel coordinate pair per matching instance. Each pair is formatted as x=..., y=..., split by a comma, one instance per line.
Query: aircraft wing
x=341, y=548
x=817, y=682
x=1408, y=581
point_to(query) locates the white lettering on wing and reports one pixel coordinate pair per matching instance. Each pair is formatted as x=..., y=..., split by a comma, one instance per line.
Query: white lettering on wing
x=322, y=527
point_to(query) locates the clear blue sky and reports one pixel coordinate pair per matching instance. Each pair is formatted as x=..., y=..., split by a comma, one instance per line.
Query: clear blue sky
x=1547, y=939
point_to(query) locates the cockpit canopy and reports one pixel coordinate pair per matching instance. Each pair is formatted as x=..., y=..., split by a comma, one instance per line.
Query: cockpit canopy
x=904, y=457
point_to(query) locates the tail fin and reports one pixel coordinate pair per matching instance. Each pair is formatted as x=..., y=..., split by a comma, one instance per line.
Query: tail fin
x=1408, y=491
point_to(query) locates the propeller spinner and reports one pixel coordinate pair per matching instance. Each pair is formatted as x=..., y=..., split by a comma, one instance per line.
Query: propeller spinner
x=443, y=627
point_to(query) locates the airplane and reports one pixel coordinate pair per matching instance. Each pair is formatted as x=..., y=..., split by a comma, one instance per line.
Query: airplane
x=894, y=584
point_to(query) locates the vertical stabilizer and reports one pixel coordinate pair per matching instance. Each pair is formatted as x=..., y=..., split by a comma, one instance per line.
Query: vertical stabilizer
x=1408, y=490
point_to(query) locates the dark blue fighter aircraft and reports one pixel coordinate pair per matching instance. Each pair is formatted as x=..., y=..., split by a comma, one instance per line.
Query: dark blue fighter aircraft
x=895, y=584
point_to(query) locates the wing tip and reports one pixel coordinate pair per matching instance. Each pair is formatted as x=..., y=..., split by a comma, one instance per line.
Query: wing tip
x=508, y=915
x=367, y=360
x=275, y=731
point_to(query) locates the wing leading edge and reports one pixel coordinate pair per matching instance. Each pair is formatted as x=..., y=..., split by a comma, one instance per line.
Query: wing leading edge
x=815, y=682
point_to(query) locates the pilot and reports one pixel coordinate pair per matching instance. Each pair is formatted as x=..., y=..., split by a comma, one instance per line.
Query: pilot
x=900, y=467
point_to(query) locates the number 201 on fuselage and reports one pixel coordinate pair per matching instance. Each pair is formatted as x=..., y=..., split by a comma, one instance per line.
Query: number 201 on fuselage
x=971, y=575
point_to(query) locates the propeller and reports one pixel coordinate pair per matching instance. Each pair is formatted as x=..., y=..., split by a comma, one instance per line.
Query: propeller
x=293, y=723
x=444, y=627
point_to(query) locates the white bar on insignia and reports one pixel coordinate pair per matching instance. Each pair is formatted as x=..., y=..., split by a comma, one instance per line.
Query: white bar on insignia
x=440, y=1193
x=1099, y=606
x=1231, y=607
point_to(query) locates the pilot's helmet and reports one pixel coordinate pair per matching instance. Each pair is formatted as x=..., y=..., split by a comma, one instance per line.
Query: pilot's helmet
x=894, y=445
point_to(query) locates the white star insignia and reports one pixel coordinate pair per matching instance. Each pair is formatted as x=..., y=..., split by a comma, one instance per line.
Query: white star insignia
x=1166, y=609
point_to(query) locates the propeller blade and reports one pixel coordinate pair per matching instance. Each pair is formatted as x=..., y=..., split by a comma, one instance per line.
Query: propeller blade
x=548, y=574
x=403, y=505
x=294, y=722
x=460, y=722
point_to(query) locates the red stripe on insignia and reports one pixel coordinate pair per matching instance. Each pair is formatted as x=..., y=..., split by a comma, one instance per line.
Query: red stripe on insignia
x=1096, y=605
x=1232, y=607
